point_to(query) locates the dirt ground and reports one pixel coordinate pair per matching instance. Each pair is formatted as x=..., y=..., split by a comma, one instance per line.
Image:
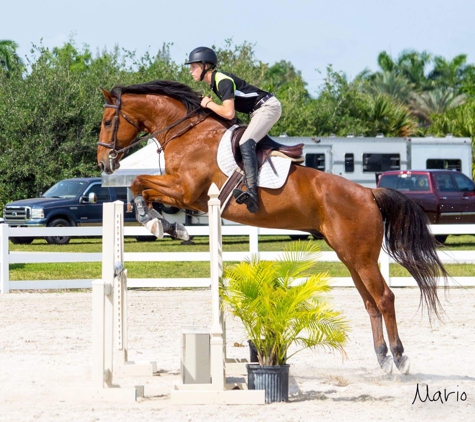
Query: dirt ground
x=46, y=352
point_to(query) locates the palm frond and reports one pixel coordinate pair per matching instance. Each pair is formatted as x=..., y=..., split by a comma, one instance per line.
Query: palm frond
x=283, y=303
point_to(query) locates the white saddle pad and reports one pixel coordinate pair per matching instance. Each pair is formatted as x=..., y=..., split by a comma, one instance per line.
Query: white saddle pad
x=267, y=178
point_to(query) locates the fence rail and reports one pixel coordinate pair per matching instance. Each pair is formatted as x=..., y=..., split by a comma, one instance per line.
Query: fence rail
x=8, y=257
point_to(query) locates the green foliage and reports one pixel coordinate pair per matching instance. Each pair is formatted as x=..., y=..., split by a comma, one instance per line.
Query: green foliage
x=278, y=308
x=389, y=83
x=341, y=107
x=50, y=118
x=51, y=106
x=9, y=60
x=460, y=122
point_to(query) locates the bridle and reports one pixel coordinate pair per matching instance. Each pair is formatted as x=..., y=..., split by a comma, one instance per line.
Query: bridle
x=114, y=152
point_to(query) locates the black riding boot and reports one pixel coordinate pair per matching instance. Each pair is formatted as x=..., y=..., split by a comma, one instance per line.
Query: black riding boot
x=249, y=159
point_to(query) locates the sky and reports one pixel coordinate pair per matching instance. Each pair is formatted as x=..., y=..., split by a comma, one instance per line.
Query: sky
x=311, y=34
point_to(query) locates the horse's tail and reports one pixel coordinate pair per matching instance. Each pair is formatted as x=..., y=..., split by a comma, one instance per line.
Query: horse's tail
x=410, y=243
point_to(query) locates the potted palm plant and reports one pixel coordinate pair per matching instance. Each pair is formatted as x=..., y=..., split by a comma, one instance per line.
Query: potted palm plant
x=281, y=304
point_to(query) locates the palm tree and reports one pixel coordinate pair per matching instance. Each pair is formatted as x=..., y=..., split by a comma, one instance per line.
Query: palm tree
x=391, y=117
x=409, y=64
x=436, y=101
x=391, y=83
x=449, y=73
x=283, y=303
x=8, y=57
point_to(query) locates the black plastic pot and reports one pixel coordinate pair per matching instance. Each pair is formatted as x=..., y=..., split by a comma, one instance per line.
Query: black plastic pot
x=273, y=379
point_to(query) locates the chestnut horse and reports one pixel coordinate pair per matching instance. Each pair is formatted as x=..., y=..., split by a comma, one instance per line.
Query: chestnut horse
x=353, y=219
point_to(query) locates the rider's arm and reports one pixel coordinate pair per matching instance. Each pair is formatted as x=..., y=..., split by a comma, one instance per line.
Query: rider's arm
x=225, y=110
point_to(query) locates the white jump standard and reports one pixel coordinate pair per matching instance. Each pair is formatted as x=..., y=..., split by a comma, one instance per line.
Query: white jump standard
x=217, y=391
x=109, y=320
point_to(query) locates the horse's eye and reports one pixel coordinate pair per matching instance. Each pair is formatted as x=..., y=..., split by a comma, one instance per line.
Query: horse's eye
x=107, y=123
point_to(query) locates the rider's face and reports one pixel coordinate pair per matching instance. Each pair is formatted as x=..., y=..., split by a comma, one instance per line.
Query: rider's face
x=195, y=70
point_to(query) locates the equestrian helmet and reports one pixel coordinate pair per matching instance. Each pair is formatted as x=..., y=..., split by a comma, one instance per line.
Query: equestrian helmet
x=203, y=55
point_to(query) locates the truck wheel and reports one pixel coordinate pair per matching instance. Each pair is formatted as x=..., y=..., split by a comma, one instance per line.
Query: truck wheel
x=21, y=240
x=441, y=238
x=58, y=240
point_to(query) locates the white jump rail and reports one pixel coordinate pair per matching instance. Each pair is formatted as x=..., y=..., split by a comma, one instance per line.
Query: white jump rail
x=8, y=257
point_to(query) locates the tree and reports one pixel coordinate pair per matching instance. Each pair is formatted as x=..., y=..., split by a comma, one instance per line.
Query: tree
x=390, y=117
x=341, y=108
x=410, y=64
x=449, y=73
x=392, y=83
x=436, y=101
x=8, y=56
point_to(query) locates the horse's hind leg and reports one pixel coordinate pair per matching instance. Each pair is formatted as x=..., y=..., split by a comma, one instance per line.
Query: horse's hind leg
x=376, y=320
x=380, y=300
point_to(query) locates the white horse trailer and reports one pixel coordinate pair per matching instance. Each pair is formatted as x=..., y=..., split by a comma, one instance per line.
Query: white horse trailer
x=355, y=158
x=359, y=159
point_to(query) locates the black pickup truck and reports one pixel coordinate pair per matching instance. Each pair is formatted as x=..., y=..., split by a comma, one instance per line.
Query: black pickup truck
x=70, y=202
x=446, y=196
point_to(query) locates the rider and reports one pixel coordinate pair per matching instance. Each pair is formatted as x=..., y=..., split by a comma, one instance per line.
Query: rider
x=237, y=95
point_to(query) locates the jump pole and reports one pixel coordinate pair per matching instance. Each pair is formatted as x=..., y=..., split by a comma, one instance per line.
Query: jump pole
x=217, y=391
x=109, y=303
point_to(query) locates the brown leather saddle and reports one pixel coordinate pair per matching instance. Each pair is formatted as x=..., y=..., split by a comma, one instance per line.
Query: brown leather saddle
x=265, y=148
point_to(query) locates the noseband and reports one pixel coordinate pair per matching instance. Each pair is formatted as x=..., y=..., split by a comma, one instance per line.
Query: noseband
x=114, y=152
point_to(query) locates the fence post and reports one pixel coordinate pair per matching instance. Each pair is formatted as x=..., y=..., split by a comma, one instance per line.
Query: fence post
x=254, y=241
x=4, y=262
x=384, y=261
x=217, y=345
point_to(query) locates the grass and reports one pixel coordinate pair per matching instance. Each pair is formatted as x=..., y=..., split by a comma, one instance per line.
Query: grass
x=64, y=271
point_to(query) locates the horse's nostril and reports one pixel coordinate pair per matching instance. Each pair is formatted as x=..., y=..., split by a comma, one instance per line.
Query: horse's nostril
x=101, y=165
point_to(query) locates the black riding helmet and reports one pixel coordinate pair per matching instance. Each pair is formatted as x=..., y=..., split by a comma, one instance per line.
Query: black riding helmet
x=203, y=55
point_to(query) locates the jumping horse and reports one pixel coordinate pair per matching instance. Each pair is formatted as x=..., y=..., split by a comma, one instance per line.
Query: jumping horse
x=353, y=219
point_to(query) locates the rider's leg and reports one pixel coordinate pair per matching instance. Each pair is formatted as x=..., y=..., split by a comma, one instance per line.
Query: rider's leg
x=249, y=160
x=261, y=123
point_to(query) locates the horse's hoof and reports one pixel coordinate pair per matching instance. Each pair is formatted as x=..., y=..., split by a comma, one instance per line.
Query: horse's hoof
x=404, y=365
x=387, y=365
x=180, y=232
x=155, y=227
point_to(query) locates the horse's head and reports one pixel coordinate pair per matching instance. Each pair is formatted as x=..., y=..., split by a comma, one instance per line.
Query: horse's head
x=118, y=131
x=163, y=109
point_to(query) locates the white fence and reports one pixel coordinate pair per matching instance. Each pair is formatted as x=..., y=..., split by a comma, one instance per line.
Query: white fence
x=8, y=257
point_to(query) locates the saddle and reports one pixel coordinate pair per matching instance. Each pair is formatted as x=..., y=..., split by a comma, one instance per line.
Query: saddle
x=266, y=148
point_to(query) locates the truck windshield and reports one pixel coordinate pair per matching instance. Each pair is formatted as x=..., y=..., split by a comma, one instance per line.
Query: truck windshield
x=65, y=189
x=415, y=182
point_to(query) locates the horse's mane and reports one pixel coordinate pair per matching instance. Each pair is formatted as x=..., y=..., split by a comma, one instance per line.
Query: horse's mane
x=184, y=93
x=177, y=90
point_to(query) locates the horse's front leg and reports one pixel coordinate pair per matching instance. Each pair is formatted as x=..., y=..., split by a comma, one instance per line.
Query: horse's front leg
x=154, y=221
x=151, y=218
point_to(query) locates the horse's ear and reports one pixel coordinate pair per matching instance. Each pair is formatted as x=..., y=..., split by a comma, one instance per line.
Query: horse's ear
x=107, y=96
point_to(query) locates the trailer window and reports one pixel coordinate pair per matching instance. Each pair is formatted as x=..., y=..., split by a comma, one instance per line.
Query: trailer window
x=349, y=163
x=444, y=164
x=317, y=161
x=380, y=162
